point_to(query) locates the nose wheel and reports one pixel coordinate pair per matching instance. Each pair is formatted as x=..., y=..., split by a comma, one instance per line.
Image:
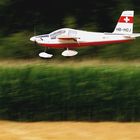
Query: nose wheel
x=45, y=55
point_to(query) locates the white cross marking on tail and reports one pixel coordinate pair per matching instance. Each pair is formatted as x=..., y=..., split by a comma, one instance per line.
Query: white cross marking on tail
x=126, y=19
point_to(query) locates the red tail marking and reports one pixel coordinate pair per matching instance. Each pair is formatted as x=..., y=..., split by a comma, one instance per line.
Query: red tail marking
x=126, y=19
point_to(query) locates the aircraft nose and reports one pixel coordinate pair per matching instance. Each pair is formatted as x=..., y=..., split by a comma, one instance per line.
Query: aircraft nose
x=33, y=39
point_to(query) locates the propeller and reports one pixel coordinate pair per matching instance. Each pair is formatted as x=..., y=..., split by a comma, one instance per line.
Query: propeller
x=34, y=36
x=34, y=30
x=33, y=39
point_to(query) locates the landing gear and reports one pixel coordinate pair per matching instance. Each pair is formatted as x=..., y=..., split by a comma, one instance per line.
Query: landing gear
x=69, y=53
x=66, y=53
x=45, y=55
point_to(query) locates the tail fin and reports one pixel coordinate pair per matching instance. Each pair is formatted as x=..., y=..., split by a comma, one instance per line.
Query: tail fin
x=125, y=23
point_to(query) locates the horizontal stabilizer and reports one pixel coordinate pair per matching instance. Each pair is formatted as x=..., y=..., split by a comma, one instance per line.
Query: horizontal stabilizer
x=135, y=35
x=132, y=36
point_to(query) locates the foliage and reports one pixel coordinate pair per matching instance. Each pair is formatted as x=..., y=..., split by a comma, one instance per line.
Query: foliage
x=3, y=2
x=17, y=45
x=69, y=22
x=32, y=93
x=19, y=16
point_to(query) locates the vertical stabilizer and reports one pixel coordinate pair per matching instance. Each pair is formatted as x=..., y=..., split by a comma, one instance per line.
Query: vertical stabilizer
x=125, y=23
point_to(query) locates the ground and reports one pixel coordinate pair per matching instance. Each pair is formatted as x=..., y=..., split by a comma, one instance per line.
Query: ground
x=68, y=63
x=69, y=131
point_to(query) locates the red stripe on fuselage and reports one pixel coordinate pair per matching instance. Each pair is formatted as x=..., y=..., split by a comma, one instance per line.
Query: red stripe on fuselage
x=83, y=44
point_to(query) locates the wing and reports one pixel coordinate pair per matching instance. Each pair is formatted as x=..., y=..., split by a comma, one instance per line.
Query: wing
x=67, y=38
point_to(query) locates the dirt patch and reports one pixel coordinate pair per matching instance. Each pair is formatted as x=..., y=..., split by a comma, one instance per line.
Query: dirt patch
x=69, y=131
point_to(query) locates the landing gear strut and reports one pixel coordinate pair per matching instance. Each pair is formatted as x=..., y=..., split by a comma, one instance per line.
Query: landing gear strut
x=45, y=55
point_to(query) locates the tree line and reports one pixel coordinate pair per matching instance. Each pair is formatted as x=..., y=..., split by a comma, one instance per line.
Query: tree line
x=20, y=19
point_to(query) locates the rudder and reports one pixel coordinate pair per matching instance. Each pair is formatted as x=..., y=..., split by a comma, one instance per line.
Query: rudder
x=125, y=23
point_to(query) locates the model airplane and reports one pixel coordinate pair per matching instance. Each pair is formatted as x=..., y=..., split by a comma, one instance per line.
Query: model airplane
x=71, y=39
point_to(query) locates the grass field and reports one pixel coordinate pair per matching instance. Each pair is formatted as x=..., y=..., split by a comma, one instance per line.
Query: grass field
x=69, y=131
x=68, y=62
x=69, y=90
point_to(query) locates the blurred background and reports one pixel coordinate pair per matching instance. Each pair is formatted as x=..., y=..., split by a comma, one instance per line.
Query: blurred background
x=21, y=19
x=77, y=90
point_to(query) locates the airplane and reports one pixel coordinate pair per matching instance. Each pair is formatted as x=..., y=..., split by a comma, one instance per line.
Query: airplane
x=71, y=39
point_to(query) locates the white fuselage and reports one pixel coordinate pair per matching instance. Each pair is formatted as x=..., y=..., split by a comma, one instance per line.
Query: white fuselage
x=70, y=38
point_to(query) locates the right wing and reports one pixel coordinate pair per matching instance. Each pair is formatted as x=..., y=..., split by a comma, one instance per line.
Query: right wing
x=67, y=38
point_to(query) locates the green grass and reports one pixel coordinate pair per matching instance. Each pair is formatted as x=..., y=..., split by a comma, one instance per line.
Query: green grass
x=37, y=91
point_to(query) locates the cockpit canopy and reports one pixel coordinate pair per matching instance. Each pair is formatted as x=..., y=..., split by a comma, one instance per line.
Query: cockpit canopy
x=65, y=31
x=54, y=34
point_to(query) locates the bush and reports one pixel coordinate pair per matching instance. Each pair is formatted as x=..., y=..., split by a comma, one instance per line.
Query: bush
x=52, y=93
x=17, y=45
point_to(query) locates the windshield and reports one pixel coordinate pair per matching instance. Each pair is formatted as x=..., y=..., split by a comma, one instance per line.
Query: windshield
x=57, y=33
x=45, y=35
